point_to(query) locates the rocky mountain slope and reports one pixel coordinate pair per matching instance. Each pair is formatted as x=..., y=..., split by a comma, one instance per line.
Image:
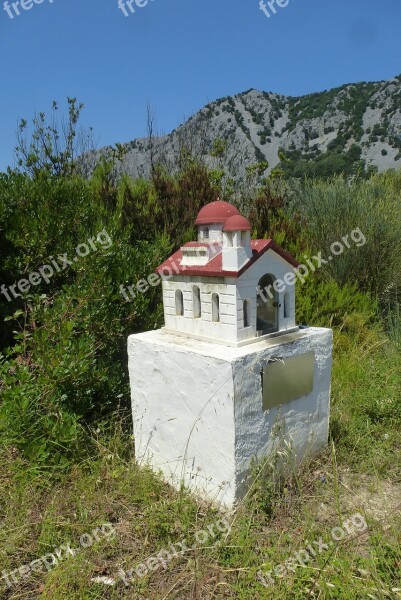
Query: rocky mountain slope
x=353, y=128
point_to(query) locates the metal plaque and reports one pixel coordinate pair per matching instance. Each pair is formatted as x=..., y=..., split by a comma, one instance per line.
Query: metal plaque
x=287, y=379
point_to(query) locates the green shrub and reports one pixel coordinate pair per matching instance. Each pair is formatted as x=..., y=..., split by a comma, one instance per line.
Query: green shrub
x=323, y=303
x=63, y=366
x=336, y=208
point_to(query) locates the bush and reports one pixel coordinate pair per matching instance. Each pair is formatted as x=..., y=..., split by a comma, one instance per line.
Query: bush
x=334, y=209
x=63, y=361
x=323, y=303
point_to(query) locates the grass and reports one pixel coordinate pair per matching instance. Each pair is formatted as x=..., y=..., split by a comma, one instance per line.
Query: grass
x=366, y=409
x=359, y=473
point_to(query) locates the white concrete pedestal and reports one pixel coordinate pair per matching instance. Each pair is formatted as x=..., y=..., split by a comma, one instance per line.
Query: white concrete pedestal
x=198, y=407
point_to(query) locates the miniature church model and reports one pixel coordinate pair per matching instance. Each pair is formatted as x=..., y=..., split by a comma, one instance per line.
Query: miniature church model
x=230, y=377
x=224, y=286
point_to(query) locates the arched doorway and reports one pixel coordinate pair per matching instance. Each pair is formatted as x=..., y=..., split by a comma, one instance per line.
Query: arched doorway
x=267, y=306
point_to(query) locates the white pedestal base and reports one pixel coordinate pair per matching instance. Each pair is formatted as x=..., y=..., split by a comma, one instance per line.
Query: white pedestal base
x=198, y=408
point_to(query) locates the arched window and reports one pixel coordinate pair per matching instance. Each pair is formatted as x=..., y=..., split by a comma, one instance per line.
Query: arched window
x=206, y=233
x=267, y=306
x=215, y=308
x=179, y=303
x=286, y=305
x=197, y=302
x=247, y=313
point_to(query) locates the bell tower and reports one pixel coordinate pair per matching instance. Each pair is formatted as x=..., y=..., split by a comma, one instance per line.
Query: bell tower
x=236, y=243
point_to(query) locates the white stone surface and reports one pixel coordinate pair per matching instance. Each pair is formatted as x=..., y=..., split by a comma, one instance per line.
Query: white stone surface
x=198, y=411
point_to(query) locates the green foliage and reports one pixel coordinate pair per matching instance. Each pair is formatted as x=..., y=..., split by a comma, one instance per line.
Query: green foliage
x=343, y=155
x=322, y=303
x=53, y=144
x=333, y=162
x=366, y=382
x=269, y=217
x=391, y=316
x=257, y=169
x=64, y=351
x=63, y=344
x=66, y=362
x=181, y=197
x=371, y=209
x=219, y=148
x=46, y=433
x=64, y=385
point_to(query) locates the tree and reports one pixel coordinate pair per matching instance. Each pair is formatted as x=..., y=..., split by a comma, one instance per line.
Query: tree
x=150, y=122
x=55, y=144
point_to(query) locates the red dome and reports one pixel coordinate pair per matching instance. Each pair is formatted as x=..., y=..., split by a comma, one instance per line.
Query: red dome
x=216, y=212
x=237, y=223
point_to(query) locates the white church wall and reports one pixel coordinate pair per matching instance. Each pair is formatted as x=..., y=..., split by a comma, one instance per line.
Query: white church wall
x=232, y=293
x=235, y=258
x=215, y=233
x=269, y=263
x=204, y=326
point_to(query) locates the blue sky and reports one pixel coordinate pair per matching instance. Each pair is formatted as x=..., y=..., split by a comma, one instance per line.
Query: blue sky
x=181, y=54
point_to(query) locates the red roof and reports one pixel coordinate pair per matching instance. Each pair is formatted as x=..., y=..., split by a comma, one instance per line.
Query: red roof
x=216, y=212
x=237, y=223
x=214, y=267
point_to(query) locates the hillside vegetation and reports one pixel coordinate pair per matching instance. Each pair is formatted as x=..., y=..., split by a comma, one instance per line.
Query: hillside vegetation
x=66, y=445
x=354, y=129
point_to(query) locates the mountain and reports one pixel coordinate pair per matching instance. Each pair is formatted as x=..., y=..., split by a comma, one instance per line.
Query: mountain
x=353, y=128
